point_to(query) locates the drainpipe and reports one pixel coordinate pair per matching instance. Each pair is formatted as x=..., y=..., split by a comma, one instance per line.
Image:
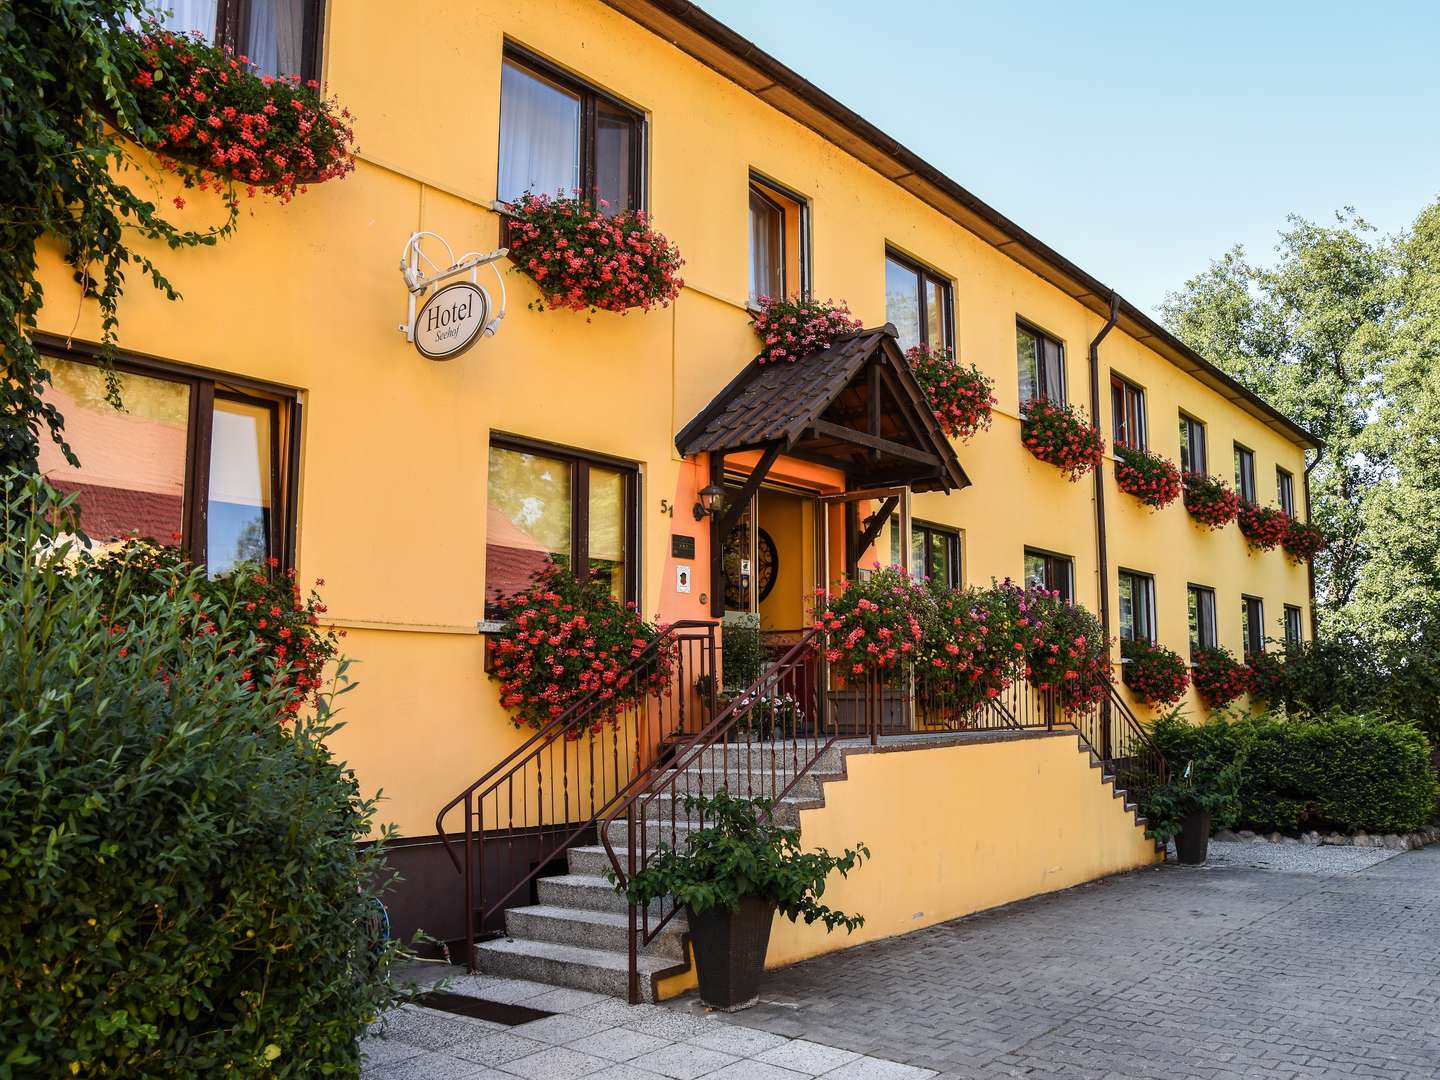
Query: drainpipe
x=1102, y=556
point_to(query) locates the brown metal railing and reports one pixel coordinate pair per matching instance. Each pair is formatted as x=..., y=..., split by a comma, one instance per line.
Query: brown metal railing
x=548, y=794
x=760, y=745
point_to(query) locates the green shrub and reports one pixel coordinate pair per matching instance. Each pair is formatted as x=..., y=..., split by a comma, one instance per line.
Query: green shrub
x=181, y=894
x=1340, y=772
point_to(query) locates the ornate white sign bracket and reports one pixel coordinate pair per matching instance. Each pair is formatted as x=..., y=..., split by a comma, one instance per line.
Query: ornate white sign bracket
x=423, y=273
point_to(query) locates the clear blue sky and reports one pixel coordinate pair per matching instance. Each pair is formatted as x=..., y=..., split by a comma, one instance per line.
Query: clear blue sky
x=1139, y=139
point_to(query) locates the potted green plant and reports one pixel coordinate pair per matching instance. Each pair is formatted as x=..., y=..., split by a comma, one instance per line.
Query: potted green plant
x=1191, y=805
x=732, y=876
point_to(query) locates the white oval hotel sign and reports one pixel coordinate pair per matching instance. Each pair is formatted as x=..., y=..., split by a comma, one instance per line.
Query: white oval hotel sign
x=452, y=320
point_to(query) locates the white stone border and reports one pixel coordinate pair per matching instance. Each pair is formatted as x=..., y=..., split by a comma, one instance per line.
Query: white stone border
x=1430, y=834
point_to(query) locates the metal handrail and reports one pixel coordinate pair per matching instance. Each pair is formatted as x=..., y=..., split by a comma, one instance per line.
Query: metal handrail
x=532, y=754
x=714, y=734
x=551, y=731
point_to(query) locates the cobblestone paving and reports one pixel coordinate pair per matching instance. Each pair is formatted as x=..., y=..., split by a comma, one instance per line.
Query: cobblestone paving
x=1229, y=970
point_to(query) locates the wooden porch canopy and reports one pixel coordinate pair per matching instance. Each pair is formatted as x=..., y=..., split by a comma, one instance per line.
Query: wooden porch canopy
x=854, y=407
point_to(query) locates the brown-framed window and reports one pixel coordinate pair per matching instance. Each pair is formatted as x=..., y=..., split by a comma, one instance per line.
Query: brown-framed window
x=1050, y=571
x=1294, y=625
x=1245, y=472
x=277, y=37
x=559, y=135
x=918, y=302
x=935, y=551
x=1137, y=606
x=779, y=242
x=1285, y=490
x=1201, y=602
x=1042, y=364
x=194, y=460
x=549, y=504
x=1192, y=445
x=1252, y=610
x=1127, y=406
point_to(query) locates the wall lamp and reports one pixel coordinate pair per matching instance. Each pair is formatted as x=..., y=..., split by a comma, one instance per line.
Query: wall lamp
x=712, y=501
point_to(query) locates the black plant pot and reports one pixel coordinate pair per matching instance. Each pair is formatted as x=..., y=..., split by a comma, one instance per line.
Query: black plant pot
x=730, y=952
x=1193, y=840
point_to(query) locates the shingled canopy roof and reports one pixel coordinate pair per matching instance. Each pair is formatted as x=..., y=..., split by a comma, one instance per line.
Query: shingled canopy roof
x=855, y=407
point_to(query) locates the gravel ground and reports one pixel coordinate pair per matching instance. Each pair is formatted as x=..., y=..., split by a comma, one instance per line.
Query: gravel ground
x=1291, y=858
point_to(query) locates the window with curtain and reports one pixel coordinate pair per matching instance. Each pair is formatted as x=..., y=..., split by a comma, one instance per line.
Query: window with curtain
x=558, y=135
x=1253, y=614
x=551, y=506
x=918, y=303
x=1050, y=571
x=1202, y=618
x=1127, y=409
x=1285, y=490
x=276, y=36
x=191, y=461
x=1245, y=472
x=1137, y=606
x=1042, y=365
x=1192, y=445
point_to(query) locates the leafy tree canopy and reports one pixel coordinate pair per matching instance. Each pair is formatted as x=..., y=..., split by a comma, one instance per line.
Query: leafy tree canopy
x=1342, y=333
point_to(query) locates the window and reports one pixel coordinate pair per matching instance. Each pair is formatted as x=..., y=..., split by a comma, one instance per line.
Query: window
x=280, y=37
x=1202, y=618
x=934, y=551
x=779, y=225
x=558, y=135
x=1245, y=472
x=1050, y=571
x=1192, y=445
x=1127, y=405
x=1294, y=631
x=1137, y=606
x=1285, y=491
x=1253, y=620
x=547, y=505
x=1042, y=365
x=192, y=460
x=917, y=301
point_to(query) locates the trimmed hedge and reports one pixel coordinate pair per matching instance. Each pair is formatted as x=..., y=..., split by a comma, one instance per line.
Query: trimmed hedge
x=181, y=894
x=1334, y=772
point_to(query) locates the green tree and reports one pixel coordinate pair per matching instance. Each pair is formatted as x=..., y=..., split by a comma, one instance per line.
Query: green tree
x=1308, y=334
x=69, y=121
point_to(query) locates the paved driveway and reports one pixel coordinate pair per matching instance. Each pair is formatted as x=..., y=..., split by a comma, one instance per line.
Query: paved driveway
x=1325, y=964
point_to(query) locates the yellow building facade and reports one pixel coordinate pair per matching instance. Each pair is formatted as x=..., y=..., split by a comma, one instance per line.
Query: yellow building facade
x=380, y=464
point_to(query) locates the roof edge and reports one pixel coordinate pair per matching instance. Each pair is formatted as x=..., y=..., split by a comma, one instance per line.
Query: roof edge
x=741, y=49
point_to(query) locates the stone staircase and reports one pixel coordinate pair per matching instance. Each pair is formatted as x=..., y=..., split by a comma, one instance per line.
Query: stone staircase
x=575, y=936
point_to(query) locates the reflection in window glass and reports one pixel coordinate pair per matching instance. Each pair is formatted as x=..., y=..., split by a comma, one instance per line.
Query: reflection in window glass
x=902, y=303
x=767, y=247
x=615, y=137
x=1202, y=618
x=936, y=304
x=238, y=521
x=539, y=136
x=607, y=528
x=527, y=518
x=737, y=555
x=131, y=478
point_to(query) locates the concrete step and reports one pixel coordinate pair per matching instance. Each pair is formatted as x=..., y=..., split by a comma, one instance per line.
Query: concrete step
x=759, y=754
x=597, y=970
x=588, y=891
x=605, y=930
x=753, y=783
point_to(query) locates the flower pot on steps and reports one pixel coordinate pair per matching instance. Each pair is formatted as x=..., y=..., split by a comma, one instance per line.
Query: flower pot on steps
x=730, y=952
x=1192, y=842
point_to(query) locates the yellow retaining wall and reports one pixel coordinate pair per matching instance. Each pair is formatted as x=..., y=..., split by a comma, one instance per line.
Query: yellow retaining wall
x=953, y=830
